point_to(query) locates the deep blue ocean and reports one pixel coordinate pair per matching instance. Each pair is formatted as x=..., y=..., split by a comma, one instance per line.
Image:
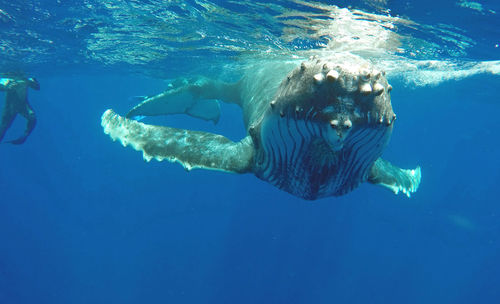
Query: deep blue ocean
x=85, y=220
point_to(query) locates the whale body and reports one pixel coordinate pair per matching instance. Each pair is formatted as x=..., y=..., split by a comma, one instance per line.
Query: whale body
x=315, y=128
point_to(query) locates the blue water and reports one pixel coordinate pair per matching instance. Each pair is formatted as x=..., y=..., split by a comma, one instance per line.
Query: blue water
x=84, y=220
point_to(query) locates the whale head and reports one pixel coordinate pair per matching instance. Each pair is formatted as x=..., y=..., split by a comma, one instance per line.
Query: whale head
x=329, y=121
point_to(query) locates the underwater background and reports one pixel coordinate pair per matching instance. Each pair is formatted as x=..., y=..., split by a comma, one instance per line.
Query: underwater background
x=84, y=220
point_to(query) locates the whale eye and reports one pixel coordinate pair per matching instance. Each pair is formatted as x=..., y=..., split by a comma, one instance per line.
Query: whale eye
x=348, y=124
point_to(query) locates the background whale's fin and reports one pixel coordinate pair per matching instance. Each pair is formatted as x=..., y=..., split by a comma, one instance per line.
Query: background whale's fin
x=205, y=109
x=396, y=179
x=197, y=98
x=192, y=149
x=176, y=101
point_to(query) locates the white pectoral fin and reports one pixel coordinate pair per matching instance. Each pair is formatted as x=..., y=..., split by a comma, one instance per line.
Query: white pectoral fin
x=177, y=101
x=396, y=179
x=206, y=109
x=192, y=149
x=169, y=102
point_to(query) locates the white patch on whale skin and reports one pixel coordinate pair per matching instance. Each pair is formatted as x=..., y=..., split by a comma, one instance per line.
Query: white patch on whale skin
x=335, y=141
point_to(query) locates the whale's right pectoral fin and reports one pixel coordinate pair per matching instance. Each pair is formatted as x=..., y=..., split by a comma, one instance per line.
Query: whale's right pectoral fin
x=396, y=179
x=192, y=149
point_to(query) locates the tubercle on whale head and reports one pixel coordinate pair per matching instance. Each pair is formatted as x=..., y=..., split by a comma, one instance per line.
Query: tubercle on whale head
x=343, y=93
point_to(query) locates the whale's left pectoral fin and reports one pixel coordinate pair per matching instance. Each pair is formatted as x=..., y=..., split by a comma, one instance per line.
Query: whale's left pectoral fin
x=176, y=101
x=396, y=179
x=192, y=149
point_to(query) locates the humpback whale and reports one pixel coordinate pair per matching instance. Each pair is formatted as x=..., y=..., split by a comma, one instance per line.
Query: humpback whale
x=315, y=128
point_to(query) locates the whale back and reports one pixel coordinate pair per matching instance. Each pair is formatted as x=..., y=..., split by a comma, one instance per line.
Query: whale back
x=260, y=82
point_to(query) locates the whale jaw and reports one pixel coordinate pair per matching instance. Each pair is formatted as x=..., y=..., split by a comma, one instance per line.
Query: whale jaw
x=297, y=157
